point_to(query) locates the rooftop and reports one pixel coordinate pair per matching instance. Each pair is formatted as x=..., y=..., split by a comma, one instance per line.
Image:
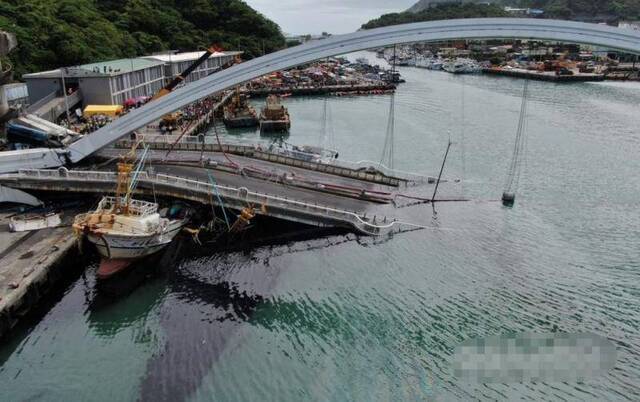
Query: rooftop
x=187, y=56
x=100, y=69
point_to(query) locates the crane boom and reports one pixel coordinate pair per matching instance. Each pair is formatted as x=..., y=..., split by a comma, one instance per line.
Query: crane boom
x=183, y=75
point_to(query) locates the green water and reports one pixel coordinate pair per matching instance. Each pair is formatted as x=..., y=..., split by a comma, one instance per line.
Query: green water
x=342, y=318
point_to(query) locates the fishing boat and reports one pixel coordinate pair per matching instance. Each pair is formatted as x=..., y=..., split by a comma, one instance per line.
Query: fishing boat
x=461, y=66
x=307, y=153
x=430, y=63
x=274, y=117
x=124, y=229
x=239, y=112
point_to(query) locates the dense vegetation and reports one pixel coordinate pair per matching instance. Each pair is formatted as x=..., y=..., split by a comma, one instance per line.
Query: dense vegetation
x=53, y=33
x=562, y=9
x=625, y=9
x=438, y=12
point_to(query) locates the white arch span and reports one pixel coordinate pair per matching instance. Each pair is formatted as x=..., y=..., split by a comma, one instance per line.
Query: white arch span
x=433, y=31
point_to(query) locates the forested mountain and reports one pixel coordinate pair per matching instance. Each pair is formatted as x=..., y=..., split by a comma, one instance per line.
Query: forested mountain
x=625, y=9
x=53, y=33
x=428, y=10
x=422, y=5
x=438, y=12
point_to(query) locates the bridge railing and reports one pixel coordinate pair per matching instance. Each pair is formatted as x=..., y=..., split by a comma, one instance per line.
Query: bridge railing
x=252, y=197
x=241, y=194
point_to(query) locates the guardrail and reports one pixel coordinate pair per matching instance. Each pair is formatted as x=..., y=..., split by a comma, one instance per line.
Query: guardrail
x=240, y=194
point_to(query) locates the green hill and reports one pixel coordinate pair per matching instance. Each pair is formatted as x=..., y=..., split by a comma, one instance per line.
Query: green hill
x=53, y=33
x=583, y=9
x=586, y=10
x=438, y=12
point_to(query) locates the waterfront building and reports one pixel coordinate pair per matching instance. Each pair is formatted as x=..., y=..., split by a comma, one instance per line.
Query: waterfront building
x=112, y=82
x=104, y=83
x=176, y=63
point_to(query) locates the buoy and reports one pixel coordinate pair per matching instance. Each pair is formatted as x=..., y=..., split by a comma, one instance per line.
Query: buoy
x=508, y=199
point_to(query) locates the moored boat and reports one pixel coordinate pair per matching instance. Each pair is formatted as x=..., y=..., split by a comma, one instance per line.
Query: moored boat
x=239, y=113
x=274, y=117
x=124, y=229
x=462, y=66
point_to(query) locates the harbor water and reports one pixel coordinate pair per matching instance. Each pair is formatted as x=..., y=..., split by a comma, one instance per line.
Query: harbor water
x=343, y=318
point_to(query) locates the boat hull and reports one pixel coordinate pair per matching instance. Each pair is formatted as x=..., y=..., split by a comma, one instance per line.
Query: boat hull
x=278, y=126
x=110, y=267
x=116, y=246
x=240, y=122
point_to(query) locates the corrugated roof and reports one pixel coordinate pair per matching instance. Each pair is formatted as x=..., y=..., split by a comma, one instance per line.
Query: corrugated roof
x=122, y=65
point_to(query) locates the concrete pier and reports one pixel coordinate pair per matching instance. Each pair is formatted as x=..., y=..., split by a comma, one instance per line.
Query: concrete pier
x=30, y=264
x=322, y=89
x=543, y=75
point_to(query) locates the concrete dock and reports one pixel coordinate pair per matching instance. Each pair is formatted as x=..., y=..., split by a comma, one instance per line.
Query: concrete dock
x=30, y=264
x=543, y=75
x=322, y=89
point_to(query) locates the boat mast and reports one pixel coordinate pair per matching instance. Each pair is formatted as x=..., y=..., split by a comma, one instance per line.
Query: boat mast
x=513, y=175
x=125, y=167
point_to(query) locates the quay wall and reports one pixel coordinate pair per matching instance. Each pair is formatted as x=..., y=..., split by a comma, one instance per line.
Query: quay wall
x=543, y=76
x=320, y=90
x=30, y=266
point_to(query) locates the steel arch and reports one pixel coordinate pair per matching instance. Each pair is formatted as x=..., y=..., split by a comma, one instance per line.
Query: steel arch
x=432, y=31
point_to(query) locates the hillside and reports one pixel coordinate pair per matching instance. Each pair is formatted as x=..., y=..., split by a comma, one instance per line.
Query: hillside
x=422, y=5
x=428, y=10
x=438, y=12
x=579, y=9
x=53, y=33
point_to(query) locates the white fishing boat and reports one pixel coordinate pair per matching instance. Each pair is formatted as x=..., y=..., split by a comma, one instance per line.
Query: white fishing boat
x=461, y=66
x=130, y=232
x=307, y=153
x=430, y=63
x=123, y=229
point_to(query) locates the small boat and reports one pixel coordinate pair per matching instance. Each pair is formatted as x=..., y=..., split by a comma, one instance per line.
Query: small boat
x=308, y=153
x=27, y=222
x=239, y=113
x=274, y=117
x=461, y=66
x=124, y=229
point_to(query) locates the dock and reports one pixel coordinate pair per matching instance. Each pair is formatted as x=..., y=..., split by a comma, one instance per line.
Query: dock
x=311, y=90
x=30, y=264
x=543, y=75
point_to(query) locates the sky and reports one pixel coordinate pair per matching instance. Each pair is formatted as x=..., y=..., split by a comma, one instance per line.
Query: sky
x=334, y=16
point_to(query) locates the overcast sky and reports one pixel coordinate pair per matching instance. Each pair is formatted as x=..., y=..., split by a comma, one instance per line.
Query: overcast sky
x=334, y=16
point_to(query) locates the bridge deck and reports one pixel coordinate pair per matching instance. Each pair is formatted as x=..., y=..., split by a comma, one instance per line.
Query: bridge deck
x=307, y=207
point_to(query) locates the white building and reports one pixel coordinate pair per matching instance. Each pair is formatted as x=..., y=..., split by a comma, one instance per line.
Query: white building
x=114, y=81
x=176, y=63
x=635, y=25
